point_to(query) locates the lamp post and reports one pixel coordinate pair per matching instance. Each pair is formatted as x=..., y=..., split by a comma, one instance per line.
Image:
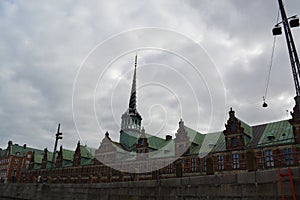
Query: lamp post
x=58, y=136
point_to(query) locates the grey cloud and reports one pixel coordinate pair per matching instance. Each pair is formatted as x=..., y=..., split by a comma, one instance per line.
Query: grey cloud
x=43, y=46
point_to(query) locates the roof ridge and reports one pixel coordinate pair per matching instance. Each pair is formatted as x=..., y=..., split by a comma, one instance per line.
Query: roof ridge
x=272, y=122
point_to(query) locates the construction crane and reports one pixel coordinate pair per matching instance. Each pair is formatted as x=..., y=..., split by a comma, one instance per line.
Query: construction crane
x=288, y=23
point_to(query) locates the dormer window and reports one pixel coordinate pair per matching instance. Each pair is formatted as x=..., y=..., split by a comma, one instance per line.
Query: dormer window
x=270, y=137
x=142, y=141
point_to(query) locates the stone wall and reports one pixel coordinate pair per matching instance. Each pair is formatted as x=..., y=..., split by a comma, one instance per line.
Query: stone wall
x=244, y=185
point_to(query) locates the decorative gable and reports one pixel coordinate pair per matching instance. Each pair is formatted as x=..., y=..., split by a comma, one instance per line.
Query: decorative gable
x=182, y=140
x=142, y=146
x=59, y=159
x=106, y=151
x=8, y=149
x=45, y=159
x=77, y=155
x=234, y=132
x=31, y=162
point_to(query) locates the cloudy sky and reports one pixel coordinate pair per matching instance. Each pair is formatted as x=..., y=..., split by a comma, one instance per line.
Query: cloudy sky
x=72, y=62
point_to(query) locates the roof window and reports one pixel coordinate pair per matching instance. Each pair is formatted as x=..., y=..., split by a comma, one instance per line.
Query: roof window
x=271, y=137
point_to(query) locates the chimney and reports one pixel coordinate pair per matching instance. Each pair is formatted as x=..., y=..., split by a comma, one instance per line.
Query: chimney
x=168, y=137
x=24, y=146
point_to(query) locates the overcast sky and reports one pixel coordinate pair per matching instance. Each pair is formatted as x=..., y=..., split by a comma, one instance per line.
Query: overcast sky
x=72, y=62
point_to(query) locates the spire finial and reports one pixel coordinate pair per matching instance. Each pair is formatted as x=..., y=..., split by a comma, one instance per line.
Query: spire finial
x=132, y=101
x=135, y=62
x=231, y=113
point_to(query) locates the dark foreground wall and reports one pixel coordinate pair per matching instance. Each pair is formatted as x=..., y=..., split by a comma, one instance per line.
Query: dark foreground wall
x=246, y=185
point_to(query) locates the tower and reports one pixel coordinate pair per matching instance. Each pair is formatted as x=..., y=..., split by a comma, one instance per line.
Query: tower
x=131, y=119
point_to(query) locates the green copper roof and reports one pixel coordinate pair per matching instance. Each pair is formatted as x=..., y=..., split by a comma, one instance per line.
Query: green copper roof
x=38, y=157
x=209, y=143
x=37, y=166
x=38, y=154
x=194, y=149
x=23, y=150
x=168, y=150
x=195, y=137
x=87, y=152
x=220, y=144
x=67, y=154
x=277, y=133
x=155, y=142
x=130, y=138
x=247, y=128
x=86, y=161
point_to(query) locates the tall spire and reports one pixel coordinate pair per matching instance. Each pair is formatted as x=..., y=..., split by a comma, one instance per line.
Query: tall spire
x=132, y=101
x=131, y=120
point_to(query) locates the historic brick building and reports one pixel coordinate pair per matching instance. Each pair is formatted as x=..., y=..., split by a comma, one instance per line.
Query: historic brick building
x=140, y=155
x=14, y=158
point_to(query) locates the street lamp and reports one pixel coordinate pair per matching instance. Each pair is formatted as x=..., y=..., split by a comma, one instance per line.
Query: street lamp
x=58, y=136
x=277, y=30
x=265, y=105
x=293, y=22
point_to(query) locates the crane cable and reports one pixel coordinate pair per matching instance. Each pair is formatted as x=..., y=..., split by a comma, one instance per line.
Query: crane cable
x=270, y=66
